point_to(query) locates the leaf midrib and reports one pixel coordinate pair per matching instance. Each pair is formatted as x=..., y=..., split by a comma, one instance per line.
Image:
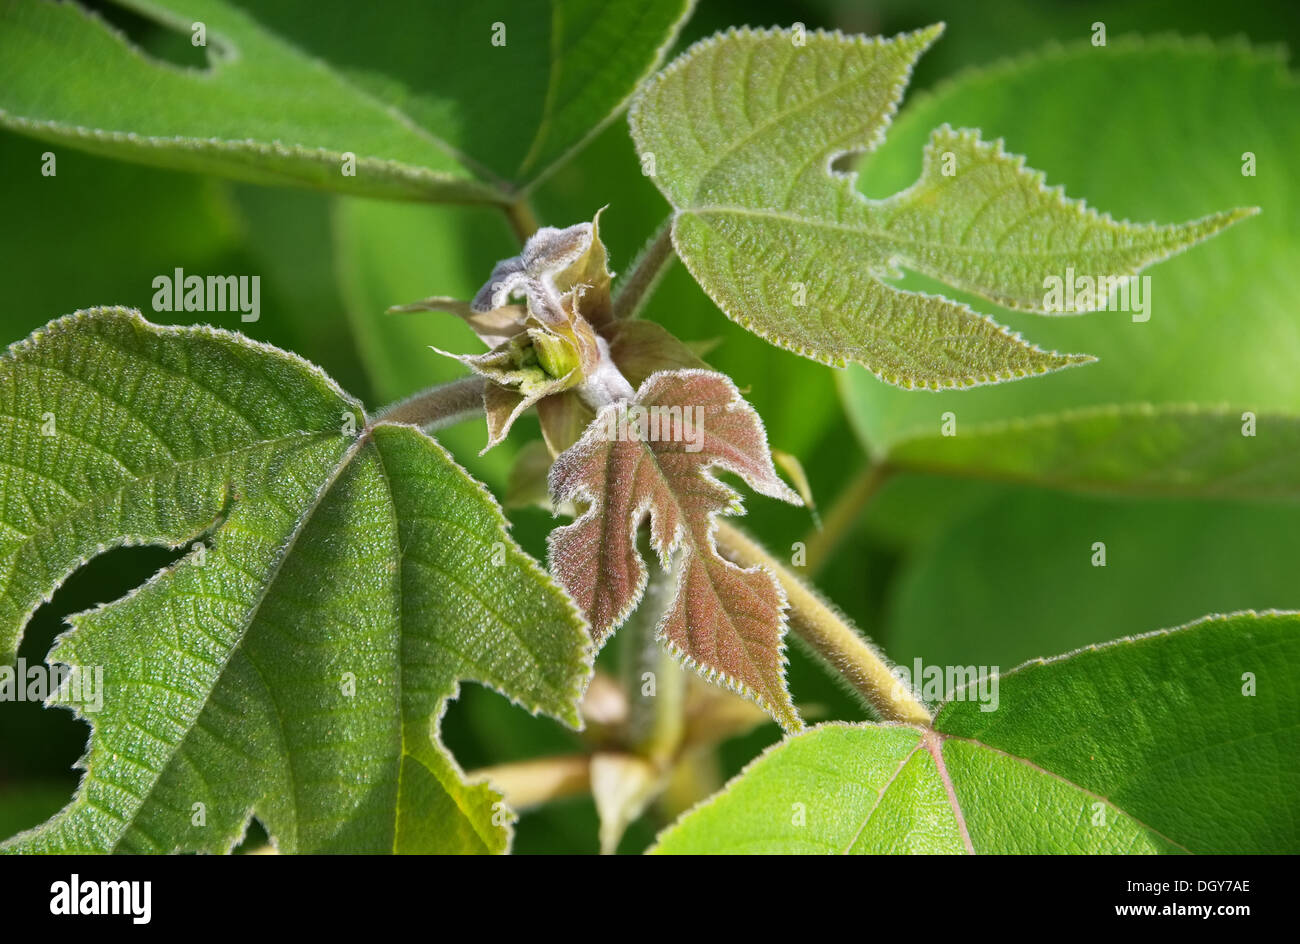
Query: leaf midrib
x=237, y=646
x=880, y=795
x=884, y=236
x=1061, y=778
x=951, y=797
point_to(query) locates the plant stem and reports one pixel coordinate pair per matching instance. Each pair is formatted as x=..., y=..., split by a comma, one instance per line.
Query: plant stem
x=656, y=722
x=522, y=219
x=843, y=515
x=531, y=783
x=440, y=406
x=637, y=286
x=829, y=635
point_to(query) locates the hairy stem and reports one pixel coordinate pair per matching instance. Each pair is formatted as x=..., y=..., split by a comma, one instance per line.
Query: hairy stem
x=531, y=783
x=829, y=634
x=440, y=406
x=522, y=219
x=637, y=286
x=844, y=514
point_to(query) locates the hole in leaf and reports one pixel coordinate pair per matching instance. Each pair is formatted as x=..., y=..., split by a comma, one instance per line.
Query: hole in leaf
x=170, y=43
x=256, y=840
x=40, y=744
x=847, y=162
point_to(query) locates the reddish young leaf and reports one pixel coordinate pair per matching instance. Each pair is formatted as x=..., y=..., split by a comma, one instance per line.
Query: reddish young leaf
x=653, y=456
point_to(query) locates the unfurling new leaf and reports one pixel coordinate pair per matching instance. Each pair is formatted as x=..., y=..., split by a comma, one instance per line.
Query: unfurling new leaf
x=746, y=128
x=652, y=457
x=547, y=314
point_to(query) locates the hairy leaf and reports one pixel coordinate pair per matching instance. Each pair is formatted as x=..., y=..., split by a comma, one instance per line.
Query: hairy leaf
x=745, y=130
x=725, y=621
x=343, y=579
x=1166, y=402
x=450, y=102
x=1152, y=744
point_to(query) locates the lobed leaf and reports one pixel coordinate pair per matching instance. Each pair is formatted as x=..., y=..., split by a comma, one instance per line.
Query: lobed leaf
x=746, y=130
x=344, y=578
x=1150, y=744
x=429, y=111
x=725, y=621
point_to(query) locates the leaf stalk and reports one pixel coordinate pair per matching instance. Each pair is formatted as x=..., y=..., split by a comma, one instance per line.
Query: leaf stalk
x=522, y=219
x=829, y=635
x=637, y=286
x=531, y=783
x=438, y=407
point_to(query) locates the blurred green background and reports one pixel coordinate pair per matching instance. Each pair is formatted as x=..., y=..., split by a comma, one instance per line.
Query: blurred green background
x=954, y=571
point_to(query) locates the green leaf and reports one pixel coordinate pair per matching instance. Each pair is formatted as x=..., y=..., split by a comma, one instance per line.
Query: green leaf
x=389, y=253
x=1140, y=449
x=653, y=458
x=1163, y=408
x=745, y=130
x=1141, y=745
x=423, y=98
x=342, y=579
x=1023, y=553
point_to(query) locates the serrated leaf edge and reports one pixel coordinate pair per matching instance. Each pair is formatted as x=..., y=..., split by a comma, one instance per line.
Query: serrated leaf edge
x=789, y=719
x=63, y=649
x=929, y=35
x=1043, y=661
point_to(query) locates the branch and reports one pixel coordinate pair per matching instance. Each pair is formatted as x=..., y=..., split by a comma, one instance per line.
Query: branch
x=829, y=635
x=438, y=407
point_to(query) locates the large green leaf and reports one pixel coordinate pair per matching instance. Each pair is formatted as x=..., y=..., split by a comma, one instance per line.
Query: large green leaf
x=1163, y=408
x=979, y=590
x=420, y=94
x=1177, y=741
x=294, y=666
x=1139, y=449
x=745, y=131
